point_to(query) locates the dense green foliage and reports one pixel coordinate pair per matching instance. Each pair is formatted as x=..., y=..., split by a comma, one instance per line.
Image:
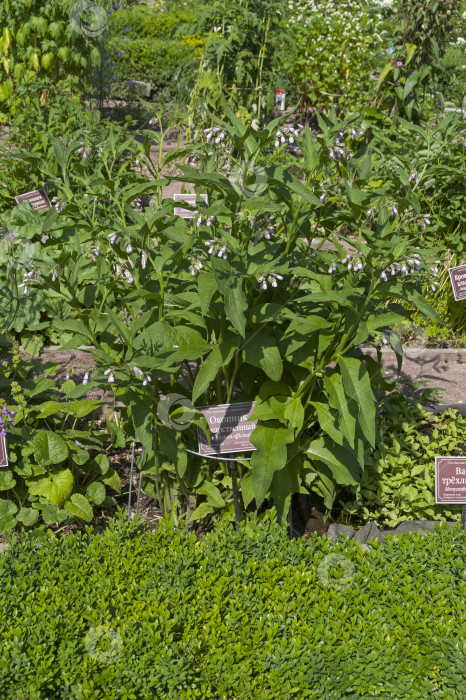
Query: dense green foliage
x=399, y=481
x=134, y=615
x=58, y=467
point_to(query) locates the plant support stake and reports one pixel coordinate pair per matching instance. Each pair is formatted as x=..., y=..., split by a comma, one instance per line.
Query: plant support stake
x=463, y=517
x=131, y=479
x=235, y=490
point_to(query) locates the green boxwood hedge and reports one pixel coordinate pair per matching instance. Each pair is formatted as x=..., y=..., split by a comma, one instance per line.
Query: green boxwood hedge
x=243, y=615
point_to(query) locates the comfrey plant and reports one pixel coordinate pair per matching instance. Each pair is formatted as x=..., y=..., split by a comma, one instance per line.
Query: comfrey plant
x=261, y=320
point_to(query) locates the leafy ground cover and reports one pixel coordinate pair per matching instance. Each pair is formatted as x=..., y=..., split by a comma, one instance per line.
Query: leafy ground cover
x=251, y=614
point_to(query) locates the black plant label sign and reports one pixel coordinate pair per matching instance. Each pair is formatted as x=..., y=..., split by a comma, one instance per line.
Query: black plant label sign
x=230, y=428
x=37, y=199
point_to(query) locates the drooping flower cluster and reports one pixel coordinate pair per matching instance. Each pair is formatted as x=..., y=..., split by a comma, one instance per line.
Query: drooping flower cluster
x=28, y=277
x=414, y=177
x=269, y=279
x=263, y=226
x=338, y=149
x=139, y=373
x=287, y=134
x=413, y=262
x=111, y=378
x=122, y=270
x=208, y=220
x=195, y=268
x=6, y=420
x=353, y=262
x=215, y=137
x=57, y=204
x=216, y=248
x=425, y=220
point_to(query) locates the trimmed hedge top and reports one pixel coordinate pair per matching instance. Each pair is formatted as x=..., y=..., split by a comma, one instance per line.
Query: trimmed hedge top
x=235, y=615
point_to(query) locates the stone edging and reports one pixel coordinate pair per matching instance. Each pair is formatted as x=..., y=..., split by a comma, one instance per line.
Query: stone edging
x=370, y=531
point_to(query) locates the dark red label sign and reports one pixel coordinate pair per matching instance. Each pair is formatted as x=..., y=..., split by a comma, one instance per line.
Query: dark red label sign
x=230, y=428
x=458, y=281
x=37, y=199
x=189, y=199
x=450, y=479
x=3, y=454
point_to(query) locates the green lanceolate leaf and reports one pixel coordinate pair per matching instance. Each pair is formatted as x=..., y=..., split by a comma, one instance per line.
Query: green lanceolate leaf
x=358, y=388
x=218, y=358
x=229, y=284
x=214, y=497
x=343, y=465
x=270, y=442
x=260, y=350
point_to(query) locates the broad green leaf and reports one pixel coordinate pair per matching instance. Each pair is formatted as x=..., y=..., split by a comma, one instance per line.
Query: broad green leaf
x=343, y=465
x=328, y=419
x=56, y=488
x=294, y=414
x=357, y=385
x=79, y=506
x=174, y=448
x=96, y=493
x=333, y=385
x=261, y=351
x=118, y=436
x=229, y=284
x=284, y=483
x=6, y=480
x=49, y=448
x=53, y=514
x=112, y=479
x=214, y=497
x=270, y=442
x=207, y=287
x=202, y=511
x=7, y=507
x=28, y=516
x=218, y=358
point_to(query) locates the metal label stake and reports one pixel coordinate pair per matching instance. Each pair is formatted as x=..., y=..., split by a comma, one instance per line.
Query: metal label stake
x=234, y=489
